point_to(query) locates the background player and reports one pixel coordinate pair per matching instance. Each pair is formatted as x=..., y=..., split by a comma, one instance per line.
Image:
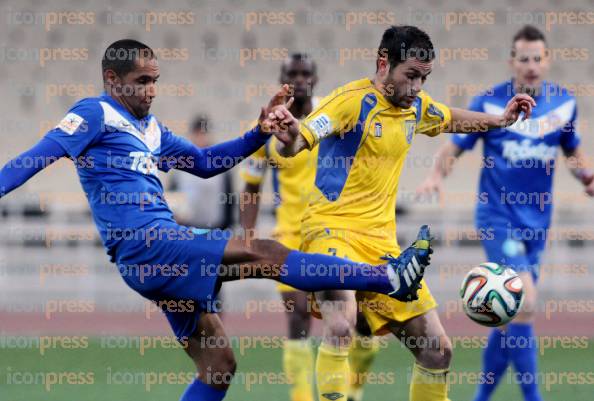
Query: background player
x=292, y=183
x=518, y=160
x=118, y=147
x=364, y=130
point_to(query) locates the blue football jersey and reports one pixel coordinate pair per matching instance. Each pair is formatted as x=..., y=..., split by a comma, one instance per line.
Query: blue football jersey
x=117, y=158
x=519, y=161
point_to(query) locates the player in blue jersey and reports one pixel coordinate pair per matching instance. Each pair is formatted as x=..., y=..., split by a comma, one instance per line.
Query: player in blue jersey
x=514, y=209
x=118, y=148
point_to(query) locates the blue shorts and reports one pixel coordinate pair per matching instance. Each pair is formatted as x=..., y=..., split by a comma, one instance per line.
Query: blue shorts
x=176, y=267
x=518, y=248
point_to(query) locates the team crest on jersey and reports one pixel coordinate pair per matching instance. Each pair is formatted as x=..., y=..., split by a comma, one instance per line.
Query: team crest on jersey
x=410, y=127
x=378, y=130
x=70, y=123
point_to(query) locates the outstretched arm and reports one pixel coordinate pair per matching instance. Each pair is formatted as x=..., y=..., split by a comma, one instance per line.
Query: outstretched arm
x=181, y=154
x=467, y=121
x=20, y=169
x=292, y=135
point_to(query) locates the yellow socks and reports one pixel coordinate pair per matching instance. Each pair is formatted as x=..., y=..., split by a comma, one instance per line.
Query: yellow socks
x=298, y=365
x=332, y=373
x=428, y=384
x=361, y=356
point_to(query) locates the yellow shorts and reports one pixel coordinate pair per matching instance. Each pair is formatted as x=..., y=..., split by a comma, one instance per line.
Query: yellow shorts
x=378, y=309
x=291, y=241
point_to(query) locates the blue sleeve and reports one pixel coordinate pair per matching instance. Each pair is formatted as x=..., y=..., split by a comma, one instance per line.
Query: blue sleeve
x=18, y=171
x=467, y=141
x=181, y=154
x=81, y=126
x=570, y=139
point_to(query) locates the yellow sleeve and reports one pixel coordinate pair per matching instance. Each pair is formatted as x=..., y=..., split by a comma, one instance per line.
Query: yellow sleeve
x=435, y=116
x=254, y=167
x=335, y=114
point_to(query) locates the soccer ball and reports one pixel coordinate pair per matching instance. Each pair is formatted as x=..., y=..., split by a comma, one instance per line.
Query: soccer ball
x=492, y=294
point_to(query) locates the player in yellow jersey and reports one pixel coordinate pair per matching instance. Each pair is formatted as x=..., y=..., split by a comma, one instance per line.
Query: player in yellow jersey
x=293, y=180
x=364, y=131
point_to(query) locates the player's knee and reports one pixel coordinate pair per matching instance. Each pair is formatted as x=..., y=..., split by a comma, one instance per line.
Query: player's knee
x=447, y=352
x=436, y=356
x=224, y=364
x=339, y=331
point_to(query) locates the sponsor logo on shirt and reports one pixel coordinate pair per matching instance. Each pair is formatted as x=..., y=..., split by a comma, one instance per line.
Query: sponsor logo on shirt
x=144, y=162
x=525, y=150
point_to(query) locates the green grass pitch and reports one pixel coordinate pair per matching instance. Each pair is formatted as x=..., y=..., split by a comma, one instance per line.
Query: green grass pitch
x=106, y=374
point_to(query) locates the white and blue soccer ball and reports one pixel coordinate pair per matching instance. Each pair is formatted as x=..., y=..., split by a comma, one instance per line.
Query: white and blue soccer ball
x=492, y=294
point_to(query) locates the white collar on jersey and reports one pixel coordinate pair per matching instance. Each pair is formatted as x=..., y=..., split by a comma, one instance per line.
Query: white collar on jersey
x=151, y=136
x=548, y=123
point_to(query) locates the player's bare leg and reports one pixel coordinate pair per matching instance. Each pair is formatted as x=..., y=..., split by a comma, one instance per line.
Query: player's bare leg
x=339, y=315
x=398, y=277
x=210, y=350
x=527, y=313
x=254, y=258
x=298, y=316
x=426, y=338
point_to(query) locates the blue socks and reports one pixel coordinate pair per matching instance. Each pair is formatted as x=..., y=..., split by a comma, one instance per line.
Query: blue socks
x=199, y=391
x=317, y=272
x=495, y=361
x=519, y=346
x=524, y=356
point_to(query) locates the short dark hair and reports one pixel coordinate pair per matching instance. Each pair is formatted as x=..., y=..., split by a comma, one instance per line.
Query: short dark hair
x=405, y=41
x=305, y=57
x=121, y=55
x=200, y=123
x=528, y=33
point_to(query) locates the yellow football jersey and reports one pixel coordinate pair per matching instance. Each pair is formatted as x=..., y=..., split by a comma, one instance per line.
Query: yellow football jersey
x=363, y=141
x=292, y=180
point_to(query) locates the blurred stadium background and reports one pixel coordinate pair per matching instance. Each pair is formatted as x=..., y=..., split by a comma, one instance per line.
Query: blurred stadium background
x=222, y=58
